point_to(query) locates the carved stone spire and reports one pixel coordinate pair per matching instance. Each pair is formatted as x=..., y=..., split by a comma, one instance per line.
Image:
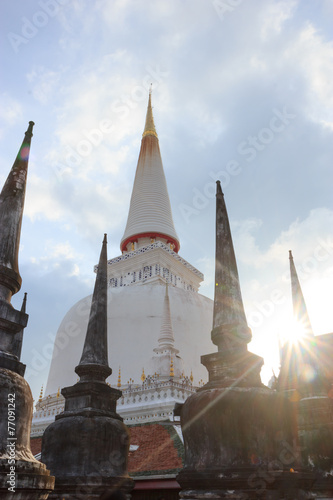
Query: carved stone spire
x=297, y=355
x=12, y=196
x=230, y=328
x=94, y=359
x=79, y=447
x=30, y=478
x=11, y=212
x=234, y=421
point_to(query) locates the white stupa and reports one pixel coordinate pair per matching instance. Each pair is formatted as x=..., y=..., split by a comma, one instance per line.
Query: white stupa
x=155, y=336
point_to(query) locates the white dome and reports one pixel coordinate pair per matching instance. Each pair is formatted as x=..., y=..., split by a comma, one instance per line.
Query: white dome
x=134, y=322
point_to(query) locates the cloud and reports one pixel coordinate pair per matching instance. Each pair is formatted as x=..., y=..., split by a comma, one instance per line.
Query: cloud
x=274, y=15
x=44, y=83
x=303, y=237
x=10, y=111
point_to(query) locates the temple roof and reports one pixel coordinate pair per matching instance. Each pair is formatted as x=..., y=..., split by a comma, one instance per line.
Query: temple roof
x=156, y=449
x=150, y=210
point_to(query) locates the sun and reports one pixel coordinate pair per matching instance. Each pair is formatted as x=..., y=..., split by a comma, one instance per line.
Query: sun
x=296, y=332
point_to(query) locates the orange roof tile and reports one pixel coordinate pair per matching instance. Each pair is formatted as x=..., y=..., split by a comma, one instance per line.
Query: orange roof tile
x=160, y=450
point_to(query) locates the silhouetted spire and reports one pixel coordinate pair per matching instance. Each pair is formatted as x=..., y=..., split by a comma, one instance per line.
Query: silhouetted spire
x=11, y=211
x=299, y=306
x=230, y=328
x=94, y=360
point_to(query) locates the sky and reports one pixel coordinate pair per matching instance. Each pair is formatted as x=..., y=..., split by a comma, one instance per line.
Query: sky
x=242, y=92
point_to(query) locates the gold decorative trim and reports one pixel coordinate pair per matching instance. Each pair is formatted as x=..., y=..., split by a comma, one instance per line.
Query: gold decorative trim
x=150, y=132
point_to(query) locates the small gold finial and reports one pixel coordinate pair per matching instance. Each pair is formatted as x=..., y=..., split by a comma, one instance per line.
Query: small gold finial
x=119, y=378
x=143, y=376
x=172, y=373
x=191, y=377
x=149, y=125
x=132, y=246
x=41, y=394
x=58, y=393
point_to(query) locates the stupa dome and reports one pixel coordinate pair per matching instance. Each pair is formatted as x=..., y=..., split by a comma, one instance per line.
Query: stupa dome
x=135, y=316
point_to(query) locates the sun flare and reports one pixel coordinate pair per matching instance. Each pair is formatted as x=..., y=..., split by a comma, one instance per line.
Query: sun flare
x=296, y=332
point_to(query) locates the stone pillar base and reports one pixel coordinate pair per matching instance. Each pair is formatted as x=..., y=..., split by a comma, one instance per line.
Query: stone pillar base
x=32, y=481
x=90, y=487
x=248, y=483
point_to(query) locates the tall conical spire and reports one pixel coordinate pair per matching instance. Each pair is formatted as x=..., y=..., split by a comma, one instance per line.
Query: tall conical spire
x=11, y=212
x=166, y=339
x=94, y=360
x=31, y=479
x=90, y=417
x=150, y=210
x=230, y=328
x=166, y=351
x=234, y=418
x=299, y=306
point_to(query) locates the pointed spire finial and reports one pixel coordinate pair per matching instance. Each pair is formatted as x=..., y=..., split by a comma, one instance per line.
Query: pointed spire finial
x=11, y=212
x=41, y=393
x=94, y=360
x=58, y=393
x=230, y=330
x=150, y=214
x=149, y=125
x=28, y=134
x=166, y=338
x=119, y=378
x=24, y=303
x=299, y=306
x=143, y=376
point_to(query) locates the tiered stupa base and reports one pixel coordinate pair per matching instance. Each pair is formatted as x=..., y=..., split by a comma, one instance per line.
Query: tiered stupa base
x=86, y=448
x=32, y=481
x=239, y=436
x=22, y=477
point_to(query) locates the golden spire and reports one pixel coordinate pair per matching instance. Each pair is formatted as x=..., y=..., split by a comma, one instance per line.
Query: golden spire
x=150, y=125
x=172, y=373
x=58, y=393
x=119, y=378
x=143, y=376
x=191, y=377
x=41, y=393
